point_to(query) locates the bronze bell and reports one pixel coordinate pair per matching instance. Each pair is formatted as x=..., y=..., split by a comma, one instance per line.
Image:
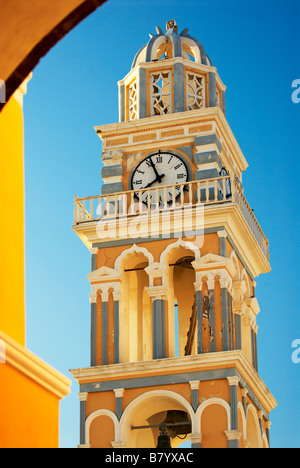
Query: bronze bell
x=177, y=423
x=163, y=440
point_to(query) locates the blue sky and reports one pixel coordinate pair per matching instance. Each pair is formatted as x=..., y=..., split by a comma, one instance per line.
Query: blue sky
x=255, y=47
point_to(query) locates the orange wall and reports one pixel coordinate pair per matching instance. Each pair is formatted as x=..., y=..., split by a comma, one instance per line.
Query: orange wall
x=102, y=432
x=214, y=425
x=29, y=413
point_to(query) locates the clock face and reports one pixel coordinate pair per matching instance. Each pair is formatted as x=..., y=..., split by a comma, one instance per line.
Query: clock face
x=159, y=170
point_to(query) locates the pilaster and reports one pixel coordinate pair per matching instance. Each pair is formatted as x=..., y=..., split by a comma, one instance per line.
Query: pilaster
x=116, y=296
x=225, y=284
x=198, y=288
x=233, y=435
x=211, y=293
x=268, y=427
x=82, y=400
x=119, y=402
x=158, y=295
x=196, y=440
x=195, y=393
x=222, y=242
x=233, y=439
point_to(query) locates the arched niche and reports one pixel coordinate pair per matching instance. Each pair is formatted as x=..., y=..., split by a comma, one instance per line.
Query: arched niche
x=213, y=418
x=96, y=437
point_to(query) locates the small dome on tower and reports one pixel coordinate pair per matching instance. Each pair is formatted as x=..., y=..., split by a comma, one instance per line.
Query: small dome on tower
x=171, y=45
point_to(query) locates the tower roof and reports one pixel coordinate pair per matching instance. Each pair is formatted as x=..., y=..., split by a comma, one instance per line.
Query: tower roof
x=171, y=45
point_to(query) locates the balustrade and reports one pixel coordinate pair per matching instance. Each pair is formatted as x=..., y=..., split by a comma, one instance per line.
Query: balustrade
x=221, y=190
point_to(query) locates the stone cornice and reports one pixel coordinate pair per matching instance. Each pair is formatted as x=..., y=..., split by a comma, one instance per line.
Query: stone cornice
x=34, y=368
x=180, y=365
x=228, y=216
x=177, y=119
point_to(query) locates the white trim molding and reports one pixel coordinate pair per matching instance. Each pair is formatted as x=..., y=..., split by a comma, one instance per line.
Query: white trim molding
x=134, y=249
x=180, y=243
x=22, y=360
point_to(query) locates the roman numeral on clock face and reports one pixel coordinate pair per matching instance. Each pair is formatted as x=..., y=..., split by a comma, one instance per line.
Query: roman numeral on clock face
x=157, y=171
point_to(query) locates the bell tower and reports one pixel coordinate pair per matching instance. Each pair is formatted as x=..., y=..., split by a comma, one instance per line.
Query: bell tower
x=176, y=250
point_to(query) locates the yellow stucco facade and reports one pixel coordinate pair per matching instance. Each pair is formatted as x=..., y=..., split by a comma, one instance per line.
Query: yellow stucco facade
x=12, y=224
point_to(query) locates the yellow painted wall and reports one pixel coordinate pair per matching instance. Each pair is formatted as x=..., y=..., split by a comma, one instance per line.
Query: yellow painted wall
x=29, y=409
x=12, y=298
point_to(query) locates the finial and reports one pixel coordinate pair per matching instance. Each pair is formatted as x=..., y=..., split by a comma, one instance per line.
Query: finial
x=184, y=32
x=172, y=25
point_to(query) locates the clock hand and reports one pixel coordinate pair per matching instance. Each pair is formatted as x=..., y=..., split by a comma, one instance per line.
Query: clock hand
x=158, y=177
x=156, y=180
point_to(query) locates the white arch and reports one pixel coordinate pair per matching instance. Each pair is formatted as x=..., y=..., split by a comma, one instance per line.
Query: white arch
x=251, y=408
x=194, y=48
x=244, y=424
x=233, y=257
x=97, y=414
x=158, y=42
x=131, y=408
x=209, y=402
x=180, y=243
x=134, y=249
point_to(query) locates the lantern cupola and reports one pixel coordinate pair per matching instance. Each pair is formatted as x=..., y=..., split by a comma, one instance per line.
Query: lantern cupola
x=171, y=73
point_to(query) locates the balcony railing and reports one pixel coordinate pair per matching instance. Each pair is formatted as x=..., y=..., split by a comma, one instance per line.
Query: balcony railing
x=221, y=190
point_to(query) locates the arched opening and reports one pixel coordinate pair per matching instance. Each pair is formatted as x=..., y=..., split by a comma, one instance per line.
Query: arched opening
x=136, y=328
x=182, y=299
x=141, y=422
x=184, y=305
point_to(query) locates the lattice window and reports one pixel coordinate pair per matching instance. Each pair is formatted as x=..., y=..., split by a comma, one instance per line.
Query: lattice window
x=133, y=101
x=195, y=91
x=161, y=93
